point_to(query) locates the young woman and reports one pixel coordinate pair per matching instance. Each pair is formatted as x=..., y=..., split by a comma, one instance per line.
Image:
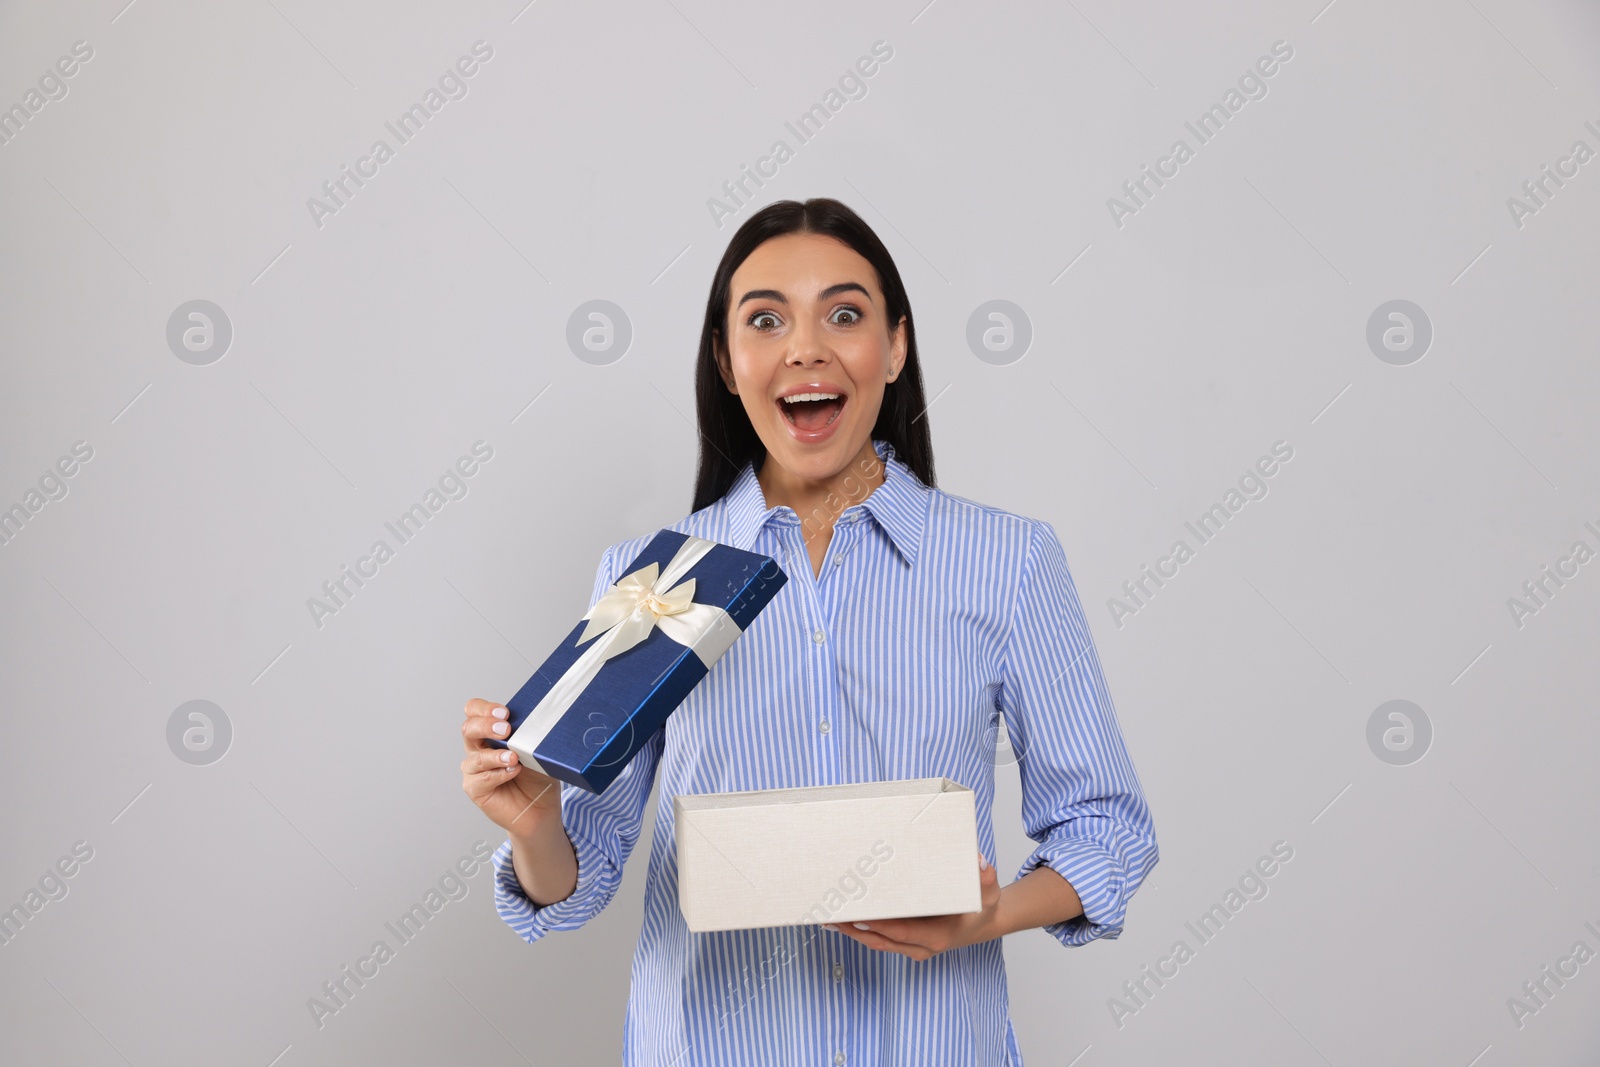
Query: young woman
x=911, y=622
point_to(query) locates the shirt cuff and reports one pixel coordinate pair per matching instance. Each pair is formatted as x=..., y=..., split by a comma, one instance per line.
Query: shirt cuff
x=532, y=921
x=1098, y=879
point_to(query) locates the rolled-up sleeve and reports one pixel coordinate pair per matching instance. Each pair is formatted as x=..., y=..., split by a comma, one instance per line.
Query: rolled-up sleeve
x=603, y=829
x=1081, y=800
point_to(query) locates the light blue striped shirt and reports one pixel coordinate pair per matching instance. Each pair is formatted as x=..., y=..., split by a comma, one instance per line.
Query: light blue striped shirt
x=933, y=616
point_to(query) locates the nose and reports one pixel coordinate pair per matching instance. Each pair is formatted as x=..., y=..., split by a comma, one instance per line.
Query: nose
x=808, y=346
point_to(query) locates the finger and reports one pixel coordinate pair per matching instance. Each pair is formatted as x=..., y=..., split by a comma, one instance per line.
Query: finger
x=479, y=785
x=491, y=723
x=902, y=931
x=874, y=940
x=849, y=930
x=890, y=928
x=489, y=759
x=988, y=879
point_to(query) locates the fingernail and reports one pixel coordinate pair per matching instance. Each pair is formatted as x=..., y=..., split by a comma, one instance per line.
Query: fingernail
x=830, y=926
x=983, y=862
x=500, y=727
x=505, y=757
x=499, y=713
x=862, y=926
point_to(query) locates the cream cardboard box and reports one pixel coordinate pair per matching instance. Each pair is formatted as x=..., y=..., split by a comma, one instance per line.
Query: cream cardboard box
x=828, y=854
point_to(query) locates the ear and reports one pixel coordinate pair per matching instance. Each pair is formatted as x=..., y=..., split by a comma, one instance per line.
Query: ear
x=897, y=350
x=724, y=362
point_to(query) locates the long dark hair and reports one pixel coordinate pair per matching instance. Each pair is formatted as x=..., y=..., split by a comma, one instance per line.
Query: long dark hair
x=727, y=440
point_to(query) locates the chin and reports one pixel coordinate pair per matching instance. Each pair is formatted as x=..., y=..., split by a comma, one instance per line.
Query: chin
x=819, y=461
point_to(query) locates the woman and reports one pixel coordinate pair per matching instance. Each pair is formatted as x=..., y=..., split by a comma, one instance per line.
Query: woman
x=911, y=622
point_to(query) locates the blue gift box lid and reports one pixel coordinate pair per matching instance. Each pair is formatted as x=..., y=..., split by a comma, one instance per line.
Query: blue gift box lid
x=634, y=691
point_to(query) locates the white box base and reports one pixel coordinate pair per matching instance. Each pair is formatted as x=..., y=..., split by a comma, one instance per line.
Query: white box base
x=829, y=854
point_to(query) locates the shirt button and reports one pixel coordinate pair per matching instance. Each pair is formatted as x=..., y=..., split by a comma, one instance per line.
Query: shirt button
x=818, y=636
x=824, y=726
x=838, y=1057
x=838, y=972
x=836, y=561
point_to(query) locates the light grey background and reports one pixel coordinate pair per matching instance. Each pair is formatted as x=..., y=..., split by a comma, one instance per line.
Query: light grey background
x=368, y=354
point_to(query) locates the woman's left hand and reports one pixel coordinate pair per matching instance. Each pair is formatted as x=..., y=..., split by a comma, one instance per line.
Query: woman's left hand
x=926, y=936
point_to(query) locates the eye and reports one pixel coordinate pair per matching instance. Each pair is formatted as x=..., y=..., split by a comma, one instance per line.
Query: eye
x=852, y=315
x=756, y=320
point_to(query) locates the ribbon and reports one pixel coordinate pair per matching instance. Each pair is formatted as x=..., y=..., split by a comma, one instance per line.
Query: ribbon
x=627, y=614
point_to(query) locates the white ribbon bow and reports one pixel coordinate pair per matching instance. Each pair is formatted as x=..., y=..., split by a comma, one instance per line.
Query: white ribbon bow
x=634, y=606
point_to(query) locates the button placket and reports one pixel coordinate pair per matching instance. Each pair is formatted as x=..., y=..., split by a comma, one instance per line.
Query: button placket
x=820, y=639
x=841, y=1009
x=828, y=593
x=823, y=689
x=843, y=541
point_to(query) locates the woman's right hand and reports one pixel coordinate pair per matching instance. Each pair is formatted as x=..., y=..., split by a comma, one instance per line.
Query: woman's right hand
x=515, y=798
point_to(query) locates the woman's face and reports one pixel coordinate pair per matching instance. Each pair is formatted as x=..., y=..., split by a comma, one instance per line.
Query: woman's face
x=806, y=317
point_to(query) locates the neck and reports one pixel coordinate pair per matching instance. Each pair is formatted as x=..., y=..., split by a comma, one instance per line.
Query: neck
x=819, y=502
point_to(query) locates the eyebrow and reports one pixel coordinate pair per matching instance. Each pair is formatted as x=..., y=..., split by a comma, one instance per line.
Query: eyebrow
x=832, y=290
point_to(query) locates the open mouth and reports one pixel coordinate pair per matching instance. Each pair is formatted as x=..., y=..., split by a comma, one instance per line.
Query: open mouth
x=810, y=412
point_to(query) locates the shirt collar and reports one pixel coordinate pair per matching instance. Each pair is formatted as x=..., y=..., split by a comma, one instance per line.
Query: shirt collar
x=899, y=506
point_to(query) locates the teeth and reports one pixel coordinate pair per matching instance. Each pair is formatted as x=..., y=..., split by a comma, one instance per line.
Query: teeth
x=797, y=397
